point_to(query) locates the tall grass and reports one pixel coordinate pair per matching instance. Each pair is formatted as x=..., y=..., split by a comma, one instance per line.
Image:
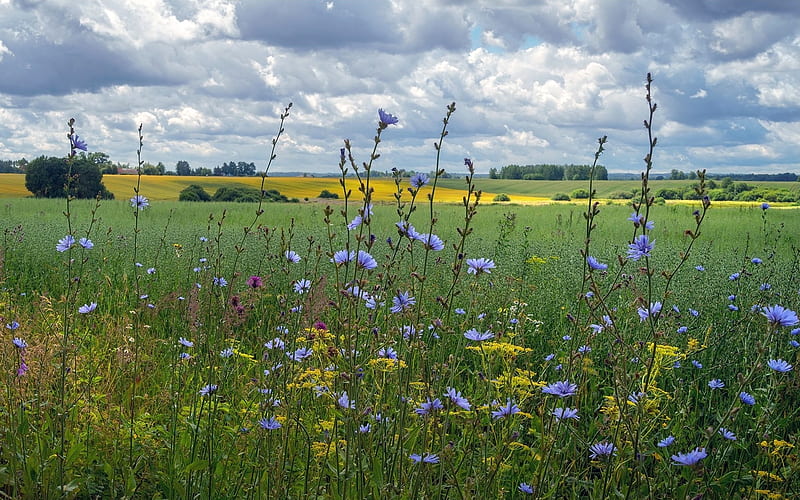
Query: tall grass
x=407, y=349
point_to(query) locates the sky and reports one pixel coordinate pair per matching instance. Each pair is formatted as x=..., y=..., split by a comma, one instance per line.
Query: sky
x=534, y=81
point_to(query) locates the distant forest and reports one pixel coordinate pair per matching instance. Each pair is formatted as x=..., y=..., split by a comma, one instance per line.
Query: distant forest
x=548, y=172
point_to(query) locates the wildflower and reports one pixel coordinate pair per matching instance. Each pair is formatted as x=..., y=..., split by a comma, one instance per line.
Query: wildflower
x=602, y=449
x=87, y=308
x=697, y=364
x=365, y=428
x=342, y=257
x=86, y=243
x=428, y=458
x=302, y=286
x=764, y=206
x=666, y=441
x=65, y=243
x=727, y=434
x=764, y=287
x=354, y=223
x=386, y=119
x=747, y=399
x=208, y=389
x=562, y=389
x=473, y=334
x=566, y=413
x=700, y=268
x=344, y=401
x=689, y=458
x=402, y=301
x=292, y=256
x=653, y=311
x=19, y=343
x=418, y=180
x=429, y=406
x=756, y=260
x=23, y=368
x=780, y=316
x=566, y=338
x=151, y=270
x=254, y=282
x=300, y=354
x=431, y=241
x=406, y=229
x=549, y=357
x=478, y=266
x=387, y=352
x=716, y=383
x=275, y=343
x=220, y=281
x=682, y=329
x=636, y=219
x=457, y=399
x=269, y=424
x=525, y=488
x=779, y=365
x=460, y=311
x=596, y=264
x=734, y=276
x=694, y=313
x=408, y=331
x=506, y=410
x=186, y=343
x=140, y=202
x=13, y=325
x=226, y=353
x=584, y=349
x=641, y=247
x=77, y=142
x=637, y=396
x=732, y=307
x=366, y=261
x=795, y=331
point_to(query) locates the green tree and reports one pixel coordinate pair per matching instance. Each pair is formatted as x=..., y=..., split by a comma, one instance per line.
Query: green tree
x=46, y=177
x=183, y=168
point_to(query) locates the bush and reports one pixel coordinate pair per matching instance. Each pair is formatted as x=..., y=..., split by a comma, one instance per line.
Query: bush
x=46, y=177
x=194, y=192
x=327, y=194
x=560, y=197
x=237, y=194
x=580, y=193
x=501, y=197
x=622, y=195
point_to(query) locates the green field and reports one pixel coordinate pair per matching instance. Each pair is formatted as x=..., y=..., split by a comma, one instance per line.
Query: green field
x=192, y=379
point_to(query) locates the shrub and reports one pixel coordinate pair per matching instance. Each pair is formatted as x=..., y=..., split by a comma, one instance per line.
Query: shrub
x=194, y=192
x=621, y=195
x=327, y=194
x=560, y=197
x=237, y=194
x=580, y=193
x=501, y=197
x=46, y=177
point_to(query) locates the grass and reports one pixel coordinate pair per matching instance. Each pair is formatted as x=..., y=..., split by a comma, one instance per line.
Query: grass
x=413, y=349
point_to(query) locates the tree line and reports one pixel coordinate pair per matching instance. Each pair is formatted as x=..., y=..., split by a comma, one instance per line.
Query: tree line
x=549, y=172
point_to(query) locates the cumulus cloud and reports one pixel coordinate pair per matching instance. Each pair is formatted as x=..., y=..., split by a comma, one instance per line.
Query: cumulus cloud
x=533, y=81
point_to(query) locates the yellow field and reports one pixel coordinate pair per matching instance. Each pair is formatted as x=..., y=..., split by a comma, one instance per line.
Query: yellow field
x=168, y=187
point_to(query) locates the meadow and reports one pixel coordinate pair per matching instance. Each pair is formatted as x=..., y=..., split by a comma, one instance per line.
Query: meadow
x=409, y=348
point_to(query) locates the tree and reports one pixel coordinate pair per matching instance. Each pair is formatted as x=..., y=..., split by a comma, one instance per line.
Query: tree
x=183, y=168
x=46, y=177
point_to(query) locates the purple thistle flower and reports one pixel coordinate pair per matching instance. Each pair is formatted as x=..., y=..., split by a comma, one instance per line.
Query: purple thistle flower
x=566, y=413
x=65, y=243
x=428, y=458
x=779, y=365
x=747, y=398
x=457, y=399
x=429, y=406
x=666, y=441
x=473, y=334
x=87, y=308
x=478, y=266
x=139, y=202
x=596, y=264
x=269, y=424
x=418, y=180
x=602, y=449
x=641, y=247
x=562, y=389
x=77, y=142
x=689, y=458
x=402, y=301
x=254, y=282
x=780, y=316
x=506, y=410
x=387, y=119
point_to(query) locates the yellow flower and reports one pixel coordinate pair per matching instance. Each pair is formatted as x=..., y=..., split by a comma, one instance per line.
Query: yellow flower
x=503, y=349
x=386, y=364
